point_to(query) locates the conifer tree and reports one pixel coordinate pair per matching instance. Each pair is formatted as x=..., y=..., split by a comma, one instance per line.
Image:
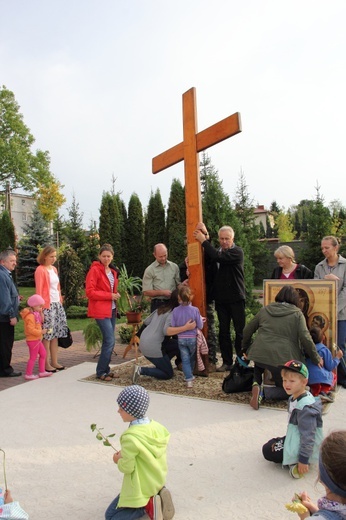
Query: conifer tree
x=154, y=224
x=7, y=233
x=75, y=234
x=319, y=224
x=71, y=275
x=216, y=206
x=255, y=252
x=36, y=236
x=92, y=244
x=176, y=223
x=123, y=253
x=110, y=224
x=135, y=237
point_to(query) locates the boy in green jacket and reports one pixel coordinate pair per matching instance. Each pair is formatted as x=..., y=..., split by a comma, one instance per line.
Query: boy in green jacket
x=142, y=459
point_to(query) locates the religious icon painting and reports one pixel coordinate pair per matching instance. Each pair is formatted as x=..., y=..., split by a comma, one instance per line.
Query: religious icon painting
x=318, y=302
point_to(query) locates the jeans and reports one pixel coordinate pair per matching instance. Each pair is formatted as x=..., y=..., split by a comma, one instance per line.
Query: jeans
x=163, y=368
x=123, y=513
x=341, y=370
x=187, y=347
x=226, y=312
x=342, y=334
x=107, y=326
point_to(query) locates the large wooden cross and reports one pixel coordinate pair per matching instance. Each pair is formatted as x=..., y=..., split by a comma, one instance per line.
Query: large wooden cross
x=187, y=151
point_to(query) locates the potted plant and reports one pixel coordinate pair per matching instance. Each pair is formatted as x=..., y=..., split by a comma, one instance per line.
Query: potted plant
x=92, y=337
x=130, y=301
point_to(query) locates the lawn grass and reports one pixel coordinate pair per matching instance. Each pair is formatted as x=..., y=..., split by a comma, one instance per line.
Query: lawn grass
x=74, y=324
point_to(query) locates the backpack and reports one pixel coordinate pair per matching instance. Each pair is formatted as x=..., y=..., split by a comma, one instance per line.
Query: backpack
x=239, y=379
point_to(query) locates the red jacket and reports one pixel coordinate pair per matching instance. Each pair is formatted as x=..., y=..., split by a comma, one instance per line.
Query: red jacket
x=98, y=291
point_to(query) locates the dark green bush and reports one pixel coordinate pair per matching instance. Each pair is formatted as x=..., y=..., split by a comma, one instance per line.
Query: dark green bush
x=76, y=312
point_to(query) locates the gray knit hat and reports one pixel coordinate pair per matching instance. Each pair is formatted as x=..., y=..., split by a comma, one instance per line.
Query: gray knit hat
x=134, y=400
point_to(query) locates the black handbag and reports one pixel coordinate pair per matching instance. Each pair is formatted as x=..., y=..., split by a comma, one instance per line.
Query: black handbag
x=66, y=341
x=239, y=379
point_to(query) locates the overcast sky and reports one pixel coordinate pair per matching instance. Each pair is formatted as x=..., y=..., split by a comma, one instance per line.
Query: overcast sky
x=100, y=86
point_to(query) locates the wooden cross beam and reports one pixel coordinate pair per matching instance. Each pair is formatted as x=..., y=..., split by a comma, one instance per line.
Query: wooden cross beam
x=187, y=151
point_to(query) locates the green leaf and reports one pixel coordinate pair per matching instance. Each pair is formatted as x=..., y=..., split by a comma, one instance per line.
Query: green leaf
x=93, y=427
x=99, y=436
x=106, y=443
x=111, y=435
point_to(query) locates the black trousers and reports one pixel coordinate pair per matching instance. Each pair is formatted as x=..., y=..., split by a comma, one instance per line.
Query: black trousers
x=227, y=313
x=275, y=372
x=6, y=345
x=273, y=450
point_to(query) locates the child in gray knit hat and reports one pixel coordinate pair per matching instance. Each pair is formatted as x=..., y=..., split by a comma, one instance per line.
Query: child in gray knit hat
x=142, y=459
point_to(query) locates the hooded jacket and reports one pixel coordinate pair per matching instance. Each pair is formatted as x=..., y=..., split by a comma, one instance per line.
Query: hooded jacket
x=98, y=291
x=32, y=328
x=281, y=335
x=304, y=432
x=143, y=462
x=323, y=374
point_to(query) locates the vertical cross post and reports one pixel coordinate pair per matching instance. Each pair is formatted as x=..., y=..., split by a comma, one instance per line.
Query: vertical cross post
x=187, y=151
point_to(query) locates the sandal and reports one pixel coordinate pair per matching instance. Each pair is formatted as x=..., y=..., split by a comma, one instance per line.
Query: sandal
x=113, y=375
x=105, y=377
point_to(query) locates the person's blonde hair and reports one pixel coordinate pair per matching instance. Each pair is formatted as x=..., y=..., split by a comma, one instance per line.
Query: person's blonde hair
x=333, y=240
x=286, y=251
x=48, y=250
x=185, y=294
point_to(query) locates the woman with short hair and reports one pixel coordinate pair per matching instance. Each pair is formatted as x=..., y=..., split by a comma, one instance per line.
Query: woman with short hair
x=287, y=268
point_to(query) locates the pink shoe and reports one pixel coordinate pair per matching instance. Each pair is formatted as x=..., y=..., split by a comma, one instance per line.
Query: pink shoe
x=45, y=374
x=30, y=377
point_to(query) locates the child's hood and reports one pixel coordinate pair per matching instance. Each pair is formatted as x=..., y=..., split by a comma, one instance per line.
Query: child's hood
x=25, y=313
x=153, y=436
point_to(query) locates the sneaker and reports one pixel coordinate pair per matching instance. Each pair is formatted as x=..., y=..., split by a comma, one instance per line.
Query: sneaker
x=168, y=510
x=224, y=368
x=189, y=384
x=136, y=373
x=255, y=401
x=30, y=377
x=294, y=471
x=45, y=374
x=326, y=397
x=154, y=508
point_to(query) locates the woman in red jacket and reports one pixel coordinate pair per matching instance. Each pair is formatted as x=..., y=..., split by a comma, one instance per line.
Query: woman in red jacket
x=48, y=286
x=101, y=290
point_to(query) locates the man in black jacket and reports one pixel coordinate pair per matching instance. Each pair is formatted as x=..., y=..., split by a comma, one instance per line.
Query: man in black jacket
x=228, y=288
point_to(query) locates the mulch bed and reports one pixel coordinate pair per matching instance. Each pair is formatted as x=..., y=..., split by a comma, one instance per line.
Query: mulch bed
x=209, y=388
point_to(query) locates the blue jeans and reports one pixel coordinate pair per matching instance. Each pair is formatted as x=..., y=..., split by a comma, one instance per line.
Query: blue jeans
x=123, y=513
x=163, y=368
x=342, y=334
x=107, y=326
x=187, y=347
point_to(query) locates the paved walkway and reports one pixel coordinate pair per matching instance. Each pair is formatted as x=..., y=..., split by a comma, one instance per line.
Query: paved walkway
x=57, y=469
x=69, y=357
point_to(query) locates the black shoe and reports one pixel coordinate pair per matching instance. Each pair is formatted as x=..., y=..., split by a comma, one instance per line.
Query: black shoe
x=224, y=368
x=52, y=371
x=13, y=374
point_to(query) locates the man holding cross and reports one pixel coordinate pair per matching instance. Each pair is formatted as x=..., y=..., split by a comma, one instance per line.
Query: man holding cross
x=228, y=288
